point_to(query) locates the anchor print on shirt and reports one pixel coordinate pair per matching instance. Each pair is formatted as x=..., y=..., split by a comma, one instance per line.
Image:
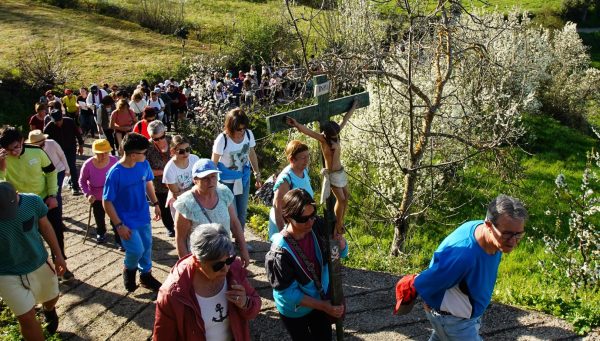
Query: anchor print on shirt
x=220, y=309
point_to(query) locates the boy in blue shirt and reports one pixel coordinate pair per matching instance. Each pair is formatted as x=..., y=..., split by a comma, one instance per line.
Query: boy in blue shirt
x=124, y=199
x=458, y=285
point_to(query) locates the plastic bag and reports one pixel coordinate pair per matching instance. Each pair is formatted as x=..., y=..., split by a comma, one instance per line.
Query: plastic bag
x=66, y=181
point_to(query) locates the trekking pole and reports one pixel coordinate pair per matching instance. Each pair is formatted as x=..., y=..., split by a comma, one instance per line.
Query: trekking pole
x=87, y=230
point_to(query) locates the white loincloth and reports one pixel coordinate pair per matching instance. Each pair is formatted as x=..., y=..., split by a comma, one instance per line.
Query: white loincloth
x=339, y=178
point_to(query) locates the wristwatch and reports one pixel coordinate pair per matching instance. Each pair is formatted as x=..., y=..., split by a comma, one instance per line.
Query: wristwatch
x=155, y=203
x=117, y=226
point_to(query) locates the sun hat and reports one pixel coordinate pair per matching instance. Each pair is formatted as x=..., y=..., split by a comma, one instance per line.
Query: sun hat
x=204, y=167
x=56, y=115
x=36, y=136
x=101, y=146
x=8, y=200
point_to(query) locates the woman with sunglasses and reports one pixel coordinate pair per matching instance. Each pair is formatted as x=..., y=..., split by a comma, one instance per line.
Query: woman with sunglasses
x=207, y=295
x=233, y=152
x=297, y=269
x=158, y=156
x=178, y=171
x=207, y=202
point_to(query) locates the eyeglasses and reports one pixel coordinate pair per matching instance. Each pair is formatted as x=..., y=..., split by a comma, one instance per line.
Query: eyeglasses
x=184, y=150
x=506, y=236
x=156, y=139
x=217, y=266
x=305, y=218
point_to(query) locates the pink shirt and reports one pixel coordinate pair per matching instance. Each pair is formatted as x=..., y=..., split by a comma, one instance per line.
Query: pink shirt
x=92, y=179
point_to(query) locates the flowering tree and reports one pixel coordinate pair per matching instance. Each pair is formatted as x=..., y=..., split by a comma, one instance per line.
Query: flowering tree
x=447, y=86
x=577, y=255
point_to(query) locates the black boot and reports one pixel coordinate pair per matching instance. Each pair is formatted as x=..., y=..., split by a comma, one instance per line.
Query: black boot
x=51, y=320
x=129, y=279
x=149, y=282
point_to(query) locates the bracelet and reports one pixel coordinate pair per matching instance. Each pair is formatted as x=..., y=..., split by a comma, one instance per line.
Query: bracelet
x=155, y=203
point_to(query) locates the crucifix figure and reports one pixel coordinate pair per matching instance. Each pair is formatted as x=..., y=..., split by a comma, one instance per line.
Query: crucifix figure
x=321, y=112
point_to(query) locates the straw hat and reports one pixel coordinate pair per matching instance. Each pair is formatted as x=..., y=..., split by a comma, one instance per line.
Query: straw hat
x=101, y=146
x=36, y=136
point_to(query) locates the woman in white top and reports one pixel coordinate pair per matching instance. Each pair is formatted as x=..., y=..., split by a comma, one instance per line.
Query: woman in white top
x=157, y=103
x=177, y=174
x=137, y=103
x=234, y=150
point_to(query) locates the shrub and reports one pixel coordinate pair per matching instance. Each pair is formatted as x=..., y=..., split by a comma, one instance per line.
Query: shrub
x=45, y=65
x=160, y=15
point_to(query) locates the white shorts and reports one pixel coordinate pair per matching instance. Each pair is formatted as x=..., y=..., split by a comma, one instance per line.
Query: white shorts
x=21, y=293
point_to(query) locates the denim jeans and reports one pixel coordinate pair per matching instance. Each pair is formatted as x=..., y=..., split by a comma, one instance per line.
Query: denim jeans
x=452, y=328
x=240, y=203
x=138, y=249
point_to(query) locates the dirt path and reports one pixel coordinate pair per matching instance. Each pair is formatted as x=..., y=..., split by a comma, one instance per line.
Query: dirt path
x=96, y=306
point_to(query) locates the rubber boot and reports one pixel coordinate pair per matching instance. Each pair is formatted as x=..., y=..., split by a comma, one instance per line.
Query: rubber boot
x=149, y=282
x=129, y=279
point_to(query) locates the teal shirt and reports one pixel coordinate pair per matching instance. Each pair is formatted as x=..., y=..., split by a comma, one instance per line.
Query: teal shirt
x=22, y=247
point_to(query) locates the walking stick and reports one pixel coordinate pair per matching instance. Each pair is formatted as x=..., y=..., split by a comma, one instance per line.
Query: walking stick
x=87, y=230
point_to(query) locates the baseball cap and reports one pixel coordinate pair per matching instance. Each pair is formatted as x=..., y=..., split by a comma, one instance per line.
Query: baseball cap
x=204, y=167
x=8, y=200
x=56, y=115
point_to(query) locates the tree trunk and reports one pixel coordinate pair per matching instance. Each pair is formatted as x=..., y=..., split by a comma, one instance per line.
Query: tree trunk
x=401, y=222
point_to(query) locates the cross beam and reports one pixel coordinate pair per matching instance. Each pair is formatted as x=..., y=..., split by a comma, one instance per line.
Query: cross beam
x=322, y=112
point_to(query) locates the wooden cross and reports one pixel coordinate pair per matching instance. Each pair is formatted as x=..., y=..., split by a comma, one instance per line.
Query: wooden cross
x=322, y=112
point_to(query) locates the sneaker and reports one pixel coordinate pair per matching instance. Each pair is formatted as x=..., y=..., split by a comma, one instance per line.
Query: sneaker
x=100, y=239
x=171, y=233
x=120, y=247
x=51, y=320
x=129, y=279
x=149, y=282
x=76, y=192
x=67, y=276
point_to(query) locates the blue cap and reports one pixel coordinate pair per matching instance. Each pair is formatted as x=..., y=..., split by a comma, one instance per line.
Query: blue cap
x=204, y=167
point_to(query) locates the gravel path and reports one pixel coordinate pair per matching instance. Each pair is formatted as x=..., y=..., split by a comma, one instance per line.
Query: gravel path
x=96, y=306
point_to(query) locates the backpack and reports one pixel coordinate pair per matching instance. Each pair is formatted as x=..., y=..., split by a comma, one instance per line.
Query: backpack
x=266, y=192
x=225, y=137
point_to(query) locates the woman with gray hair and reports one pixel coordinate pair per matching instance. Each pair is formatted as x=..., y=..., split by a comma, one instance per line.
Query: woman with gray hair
x=207, y=295
x=158, y=156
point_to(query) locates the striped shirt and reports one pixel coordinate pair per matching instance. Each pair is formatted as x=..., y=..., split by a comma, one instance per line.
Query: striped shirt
x=22, y=247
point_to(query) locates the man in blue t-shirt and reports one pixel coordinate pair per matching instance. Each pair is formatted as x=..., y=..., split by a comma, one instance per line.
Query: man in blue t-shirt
x=458, y=285
x=26, y=276
x=128, y=183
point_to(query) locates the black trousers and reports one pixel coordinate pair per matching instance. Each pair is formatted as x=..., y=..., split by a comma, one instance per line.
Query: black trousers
x=55, y=218
x=314, y=327
x=165, y=212
x=99, y=217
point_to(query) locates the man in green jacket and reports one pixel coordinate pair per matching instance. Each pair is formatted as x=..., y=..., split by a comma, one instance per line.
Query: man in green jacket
x=29, y=169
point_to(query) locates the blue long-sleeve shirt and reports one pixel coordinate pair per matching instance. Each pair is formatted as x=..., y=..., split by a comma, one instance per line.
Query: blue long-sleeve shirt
x=461, y=275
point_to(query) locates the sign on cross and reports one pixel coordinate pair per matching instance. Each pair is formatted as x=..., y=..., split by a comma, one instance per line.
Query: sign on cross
x=322, y=112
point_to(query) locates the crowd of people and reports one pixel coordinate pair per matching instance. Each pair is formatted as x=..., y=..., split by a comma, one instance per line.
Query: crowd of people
x=139, y=173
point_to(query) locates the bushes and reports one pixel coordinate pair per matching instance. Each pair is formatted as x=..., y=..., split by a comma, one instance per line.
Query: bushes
x=44, y=65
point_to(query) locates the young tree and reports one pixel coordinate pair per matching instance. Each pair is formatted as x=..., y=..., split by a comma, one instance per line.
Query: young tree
x=446, y=86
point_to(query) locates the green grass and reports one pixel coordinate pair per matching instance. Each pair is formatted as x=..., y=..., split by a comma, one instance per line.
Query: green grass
x=101, y=49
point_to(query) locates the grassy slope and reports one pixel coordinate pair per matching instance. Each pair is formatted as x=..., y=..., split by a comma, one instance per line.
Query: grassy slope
x=101, y=48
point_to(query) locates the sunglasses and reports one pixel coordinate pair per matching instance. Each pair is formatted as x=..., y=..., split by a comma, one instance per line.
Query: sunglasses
x=216, y=267
x=304, y=218
x=184, y=150
x=156, y=139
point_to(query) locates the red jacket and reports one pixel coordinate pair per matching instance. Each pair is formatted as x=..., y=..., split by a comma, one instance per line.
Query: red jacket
x=178, y=313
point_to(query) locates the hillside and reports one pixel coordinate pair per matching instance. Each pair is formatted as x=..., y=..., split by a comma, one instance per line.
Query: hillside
x=101, y=49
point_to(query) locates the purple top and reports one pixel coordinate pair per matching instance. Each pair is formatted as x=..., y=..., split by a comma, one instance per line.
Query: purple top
x=92, y=179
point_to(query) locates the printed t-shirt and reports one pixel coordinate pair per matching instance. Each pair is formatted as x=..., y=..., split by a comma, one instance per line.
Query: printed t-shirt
x=23, y=250
x=182, y=177
x=126, y=189
x=235, y=155
x=215, y=316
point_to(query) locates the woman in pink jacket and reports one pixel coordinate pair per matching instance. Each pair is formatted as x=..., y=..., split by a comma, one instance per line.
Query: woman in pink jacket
x=207, y=295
